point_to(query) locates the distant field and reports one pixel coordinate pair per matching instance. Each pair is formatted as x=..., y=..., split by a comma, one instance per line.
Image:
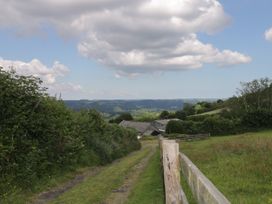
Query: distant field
x=113, y=107
x=240, y=166
x=145, y=114
x=209, y=112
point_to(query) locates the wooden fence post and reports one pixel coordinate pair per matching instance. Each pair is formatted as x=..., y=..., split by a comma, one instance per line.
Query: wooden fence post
x=171, y=169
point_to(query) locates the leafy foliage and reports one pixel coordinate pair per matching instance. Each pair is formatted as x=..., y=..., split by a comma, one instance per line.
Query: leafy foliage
x=40, y=135
x=250, y=110
x=164, y=115
x=121, y=117
x=254, y=103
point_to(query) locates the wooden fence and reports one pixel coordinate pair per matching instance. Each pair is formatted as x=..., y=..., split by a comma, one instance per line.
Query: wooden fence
x=173, y=162
x=171, y=171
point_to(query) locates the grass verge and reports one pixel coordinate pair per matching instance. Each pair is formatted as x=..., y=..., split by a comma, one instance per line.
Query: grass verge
x=149, y=187
x=240, y=166
x=96, y=189
x=21, y=196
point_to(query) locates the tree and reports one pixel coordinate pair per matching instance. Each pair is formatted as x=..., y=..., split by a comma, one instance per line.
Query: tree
x=180, y=114
x=189, y=109
x=164, y=115
x=120, y=118
x=256, y=95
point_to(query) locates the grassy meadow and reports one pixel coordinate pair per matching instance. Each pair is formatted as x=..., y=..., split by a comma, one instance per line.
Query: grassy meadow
x=145, y=114
x=240, y=166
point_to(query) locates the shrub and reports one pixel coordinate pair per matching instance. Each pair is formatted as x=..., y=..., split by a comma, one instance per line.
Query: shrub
x=217, y=125
x=257, y=119
x=184, y=127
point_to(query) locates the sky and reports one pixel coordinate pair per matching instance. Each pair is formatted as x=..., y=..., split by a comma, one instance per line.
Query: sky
x=140, y=49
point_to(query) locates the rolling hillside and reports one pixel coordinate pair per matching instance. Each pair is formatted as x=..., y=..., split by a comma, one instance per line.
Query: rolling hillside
x=118, y=106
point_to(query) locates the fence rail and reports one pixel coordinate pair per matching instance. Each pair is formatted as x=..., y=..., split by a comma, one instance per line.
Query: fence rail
x=203, y=189
x=175, y=162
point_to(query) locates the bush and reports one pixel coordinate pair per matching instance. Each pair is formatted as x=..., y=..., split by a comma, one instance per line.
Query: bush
x=257, y=119
x=184, y=127
x=215, y=125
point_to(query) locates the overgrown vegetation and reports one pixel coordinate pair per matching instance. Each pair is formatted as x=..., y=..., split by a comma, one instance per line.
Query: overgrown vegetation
x=39, y=136
x=240, y=166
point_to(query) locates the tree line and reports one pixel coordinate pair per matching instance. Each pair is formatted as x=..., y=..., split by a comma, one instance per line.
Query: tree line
x=249, y=110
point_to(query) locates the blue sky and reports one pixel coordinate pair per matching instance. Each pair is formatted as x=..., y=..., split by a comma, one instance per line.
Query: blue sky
x=88, y=68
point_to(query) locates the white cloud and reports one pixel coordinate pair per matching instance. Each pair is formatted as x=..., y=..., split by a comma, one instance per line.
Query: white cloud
x=132, y=37
x=65, y=88
x=268, y=34
x=49, y=75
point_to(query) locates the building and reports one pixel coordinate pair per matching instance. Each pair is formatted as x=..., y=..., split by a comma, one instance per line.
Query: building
x=143, y=128
x=154, y=128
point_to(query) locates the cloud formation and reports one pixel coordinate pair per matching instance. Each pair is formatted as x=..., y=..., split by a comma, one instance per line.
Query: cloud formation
x=49, y=75
x=268, y=34
x=133, y=37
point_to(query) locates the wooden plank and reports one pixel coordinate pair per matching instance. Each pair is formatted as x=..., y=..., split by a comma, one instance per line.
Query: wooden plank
x=171, y=168
x=202, y=188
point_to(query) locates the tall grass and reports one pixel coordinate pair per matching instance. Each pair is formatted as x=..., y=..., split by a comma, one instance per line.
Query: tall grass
x=240, y=166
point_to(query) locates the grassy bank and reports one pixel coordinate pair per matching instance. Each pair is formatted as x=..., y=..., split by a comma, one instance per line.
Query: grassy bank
x=22, y=196
x=149, y=187
x=96, y=189
x=240, y=166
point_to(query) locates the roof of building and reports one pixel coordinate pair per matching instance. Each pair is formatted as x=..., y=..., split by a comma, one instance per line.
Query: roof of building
x=139, y=126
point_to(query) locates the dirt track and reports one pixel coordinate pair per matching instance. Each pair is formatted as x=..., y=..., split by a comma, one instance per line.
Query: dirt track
x=118, y=196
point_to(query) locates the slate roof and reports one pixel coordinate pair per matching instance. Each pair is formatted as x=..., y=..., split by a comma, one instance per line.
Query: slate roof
x=146, y=128
x=141, y=127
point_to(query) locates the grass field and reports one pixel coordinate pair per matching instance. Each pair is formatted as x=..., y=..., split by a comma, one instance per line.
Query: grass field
x=213, y=112
x=240, y=166
x=149, y=188
x=145, y=115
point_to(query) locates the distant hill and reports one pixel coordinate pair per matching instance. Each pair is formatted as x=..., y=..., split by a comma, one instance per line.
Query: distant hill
x=113, y=107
